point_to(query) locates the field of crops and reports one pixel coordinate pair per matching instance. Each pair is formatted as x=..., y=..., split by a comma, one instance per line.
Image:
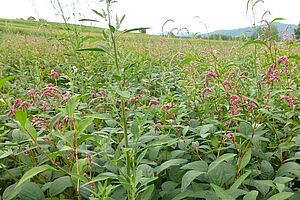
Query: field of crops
x=89, y=113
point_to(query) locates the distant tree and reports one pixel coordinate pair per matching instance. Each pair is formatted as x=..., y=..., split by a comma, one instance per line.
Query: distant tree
x=31, y=18
x=297, y=32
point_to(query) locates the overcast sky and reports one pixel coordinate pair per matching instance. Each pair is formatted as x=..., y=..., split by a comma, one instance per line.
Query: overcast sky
x=217, y=14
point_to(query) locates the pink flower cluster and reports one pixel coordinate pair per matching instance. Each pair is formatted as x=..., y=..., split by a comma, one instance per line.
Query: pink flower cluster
x=19, y=104
x=54, y=74
x=234, y=100
x=272, y=73
x=230, y=136
x=153, y=102
x=39, y=121
x=207, y=89
x=290, y=101
x=227, y=82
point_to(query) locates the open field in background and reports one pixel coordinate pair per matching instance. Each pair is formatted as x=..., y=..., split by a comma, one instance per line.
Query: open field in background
x=178, y=118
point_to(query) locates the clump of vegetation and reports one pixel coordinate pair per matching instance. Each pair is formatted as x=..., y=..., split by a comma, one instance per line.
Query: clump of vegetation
x=109, y=114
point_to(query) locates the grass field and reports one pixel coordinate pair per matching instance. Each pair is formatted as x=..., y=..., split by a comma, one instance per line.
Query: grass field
x=90, y=113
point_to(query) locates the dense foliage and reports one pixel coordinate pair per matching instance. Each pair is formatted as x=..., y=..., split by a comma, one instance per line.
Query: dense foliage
x=131, y=116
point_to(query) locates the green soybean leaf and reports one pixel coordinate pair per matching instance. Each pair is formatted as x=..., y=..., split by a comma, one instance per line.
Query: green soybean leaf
x=83, y=124
x=239, y=181
x=245, y=159
x=188, y=177
x=31, y=191
x=170, y=163
x=267, y=170
x=222, y=158
x=59, y=185
x=223, y=194
x=281, y=196
x=32, y=172
x=147, y=194
x=251, y=195
x=199, y=165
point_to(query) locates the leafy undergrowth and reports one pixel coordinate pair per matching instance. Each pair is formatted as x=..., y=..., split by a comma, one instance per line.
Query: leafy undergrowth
x=185, y=122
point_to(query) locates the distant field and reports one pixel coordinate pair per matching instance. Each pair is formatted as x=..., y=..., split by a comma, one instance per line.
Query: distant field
x=90, y=113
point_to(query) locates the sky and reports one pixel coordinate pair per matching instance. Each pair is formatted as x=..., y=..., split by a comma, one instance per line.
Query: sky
x=216, y=14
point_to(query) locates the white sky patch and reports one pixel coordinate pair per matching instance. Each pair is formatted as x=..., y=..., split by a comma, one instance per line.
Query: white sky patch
x=216, y=14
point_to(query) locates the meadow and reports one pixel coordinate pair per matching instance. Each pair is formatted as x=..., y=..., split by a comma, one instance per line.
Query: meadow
x=90, y=113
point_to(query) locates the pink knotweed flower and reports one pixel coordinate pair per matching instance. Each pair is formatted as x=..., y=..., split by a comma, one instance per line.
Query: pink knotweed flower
x=244, y=99
x=227, y=85
x=54, y=74
x=156, y=126
x=12, y=112
x=230, y=136
x=285, y=61
x=37, y=119
x=251, y=105
x=31, y=94
x=205, y=91
x=234, y=99
x=259, y=85
x=153, y=102
x=274, y=76
x=290, y=101
x=24, y=104
x=209, y=75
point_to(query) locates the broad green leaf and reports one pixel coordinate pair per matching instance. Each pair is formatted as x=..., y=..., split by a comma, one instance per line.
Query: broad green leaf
x=32, y=172
x=239, y=181
x=289, y=168
x=245, y=128
x=59, y=185
x=188, y=177
x=222, y=158
x=223, y=174
x=147, y=194
x=83, y=124
x=251, y=195
x=11, y=192
x=199, y=165
x=135, y=128
x=245, y=159
x=4, y=80
x=124, y=94
x=280, y=182
x=71, y=106
x=267, y=171
x=30, y=130
x=170, y=163
x=221, y=192
x=31, y=191
x=21, y=117
x=281, y=196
